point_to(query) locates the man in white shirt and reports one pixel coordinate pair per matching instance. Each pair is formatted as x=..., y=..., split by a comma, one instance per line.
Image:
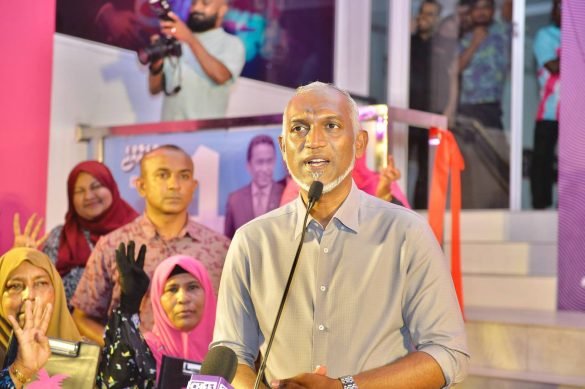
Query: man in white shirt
x=211, y=61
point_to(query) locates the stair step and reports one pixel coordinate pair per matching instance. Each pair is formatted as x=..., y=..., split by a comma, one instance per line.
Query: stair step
x=519, y=292
x=507, y=258
x=503, y=225
x=482, y=378
x=525, y=345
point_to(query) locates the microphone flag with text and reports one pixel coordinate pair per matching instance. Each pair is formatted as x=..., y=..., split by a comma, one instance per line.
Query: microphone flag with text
x=314, y=194
x=217, y=370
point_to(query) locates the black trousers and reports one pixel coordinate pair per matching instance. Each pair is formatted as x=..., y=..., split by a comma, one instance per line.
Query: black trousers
x=418, y=151
x=542, y=173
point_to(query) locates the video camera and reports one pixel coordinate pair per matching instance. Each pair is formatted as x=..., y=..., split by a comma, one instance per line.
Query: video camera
x=164, y=46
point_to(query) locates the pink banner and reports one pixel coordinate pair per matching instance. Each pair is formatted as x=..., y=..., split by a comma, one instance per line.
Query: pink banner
x=571, y=269
x=25, y=97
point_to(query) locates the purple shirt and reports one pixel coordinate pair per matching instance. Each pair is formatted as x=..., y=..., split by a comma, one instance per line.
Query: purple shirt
x=482, y=81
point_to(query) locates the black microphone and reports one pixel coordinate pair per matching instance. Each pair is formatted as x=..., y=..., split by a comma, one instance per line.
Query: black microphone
x=217, y=370
x=315, y=193
x=220, y=361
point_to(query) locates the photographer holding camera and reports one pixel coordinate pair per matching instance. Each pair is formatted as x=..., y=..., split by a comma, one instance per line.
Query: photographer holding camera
x=194, y=62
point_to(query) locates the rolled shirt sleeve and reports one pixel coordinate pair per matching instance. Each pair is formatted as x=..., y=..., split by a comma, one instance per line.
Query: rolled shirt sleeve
x=430, y=306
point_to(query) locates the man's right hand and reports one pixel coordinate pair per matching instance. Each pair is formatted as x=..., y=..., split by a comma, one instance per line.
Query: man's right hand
x=479, y=34
x=134, y=281
x=176, y=28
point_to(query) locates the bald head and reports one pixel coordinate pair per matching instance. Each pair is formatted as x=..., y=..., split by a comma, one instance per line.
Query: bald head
x=161, y=150
x=318, y=86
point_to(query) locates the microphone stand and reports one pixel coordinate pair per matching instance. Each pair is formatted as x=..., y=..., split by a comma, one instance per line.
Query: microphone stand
x=315, y=192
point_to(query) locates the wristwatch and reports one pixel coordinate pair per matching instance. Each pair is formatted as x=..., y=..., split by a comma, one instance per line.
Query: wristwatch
x=348, y=382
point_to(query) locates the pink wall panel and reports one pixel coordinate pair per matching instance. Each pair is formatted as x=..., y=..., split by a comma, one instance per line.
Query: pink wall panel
x=571, y=270
x=25, y=95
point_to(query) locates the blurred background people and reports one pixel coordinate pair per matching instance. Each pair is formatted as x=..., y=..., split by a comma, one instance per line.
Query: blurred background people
x=445, y=75
x=483, y=65
x=382, y=184
x=183, y=304
x=262, y=194
x=114, y=22
x=421, y=50
x=547, y=50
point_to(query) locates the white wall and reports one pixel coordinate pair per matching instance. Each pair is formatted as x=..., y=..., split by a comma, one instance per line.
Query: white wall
x=102, y=85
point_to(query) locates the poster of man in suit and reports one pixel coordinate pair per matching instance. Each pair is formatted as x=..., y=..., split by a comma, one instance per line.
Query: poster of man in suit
x=262, y=194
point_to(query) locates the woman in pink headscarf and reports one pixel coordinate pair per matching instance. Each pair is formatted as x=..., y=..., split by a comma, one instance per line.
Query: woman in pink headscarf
x=183, y=305
x=183, y=320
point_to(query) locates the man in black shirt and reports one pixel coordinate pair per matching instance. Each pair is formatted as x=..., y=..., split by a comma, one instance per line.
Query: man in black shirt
x=420, y=93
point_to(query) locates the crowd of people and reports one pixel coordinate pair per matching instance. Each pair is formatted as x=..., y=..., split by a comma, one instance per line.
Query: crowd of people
x=148, y=286
x=373, y=304
x=459, y=68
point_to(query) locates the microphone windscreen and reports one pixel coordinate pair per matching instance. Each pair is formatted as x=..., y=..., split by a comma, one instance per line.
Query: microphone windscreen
x=315, y=191
x=221, y=361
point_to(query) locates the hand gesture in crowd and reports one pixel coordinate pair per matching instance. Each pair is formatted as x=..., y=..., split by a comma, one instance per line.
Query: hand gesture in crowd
x=33, y=344
x=28, y=237
x=133, y=280
x=387, y=175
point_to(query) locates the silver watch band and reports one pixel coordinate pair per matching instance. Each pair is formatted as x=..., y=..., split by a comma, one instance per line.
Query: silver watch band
x=348, y=382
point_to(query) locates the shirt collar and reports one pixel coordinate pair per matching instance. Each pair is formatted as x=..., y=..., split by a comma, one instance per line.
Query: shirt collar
x=150, y=232
x=347, y=214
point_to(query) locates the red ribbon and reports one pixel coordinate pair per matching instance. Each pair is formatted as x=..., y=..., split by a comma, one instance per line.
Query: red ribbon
x=448, y=162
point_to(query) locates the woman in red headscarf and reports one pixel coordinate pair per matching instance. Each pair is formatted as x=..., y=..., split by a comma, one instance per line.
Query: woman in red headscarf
x=95, y=209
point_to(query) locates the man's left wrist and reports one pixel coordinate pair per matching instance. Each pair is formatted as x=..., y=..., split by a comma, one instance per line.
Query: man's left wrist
x=347, y=382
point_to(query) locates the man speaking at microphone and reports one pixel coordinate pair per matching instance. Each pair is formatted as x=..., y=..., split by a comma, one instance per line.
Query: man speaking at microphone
x=371, y=304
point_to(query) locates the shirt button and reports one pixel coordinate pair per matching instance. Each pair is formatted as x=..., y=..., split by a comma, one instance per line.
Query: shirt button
x=323, y=288
x=325, y=250
x=321, y=327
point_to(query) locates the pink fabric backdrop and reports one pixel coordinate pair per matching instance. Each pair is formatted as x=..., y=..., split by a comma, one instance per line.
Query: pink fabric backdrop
x=571, y=269
x=25, y=75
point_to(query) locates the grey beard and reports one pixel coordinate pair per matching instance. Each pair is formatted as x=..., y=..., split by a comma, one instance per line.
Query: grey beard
x=316, y=177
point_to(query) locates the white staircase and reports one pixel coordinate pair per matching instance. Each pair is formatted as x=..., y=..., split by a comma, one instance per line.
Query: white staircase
x=516, y=336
